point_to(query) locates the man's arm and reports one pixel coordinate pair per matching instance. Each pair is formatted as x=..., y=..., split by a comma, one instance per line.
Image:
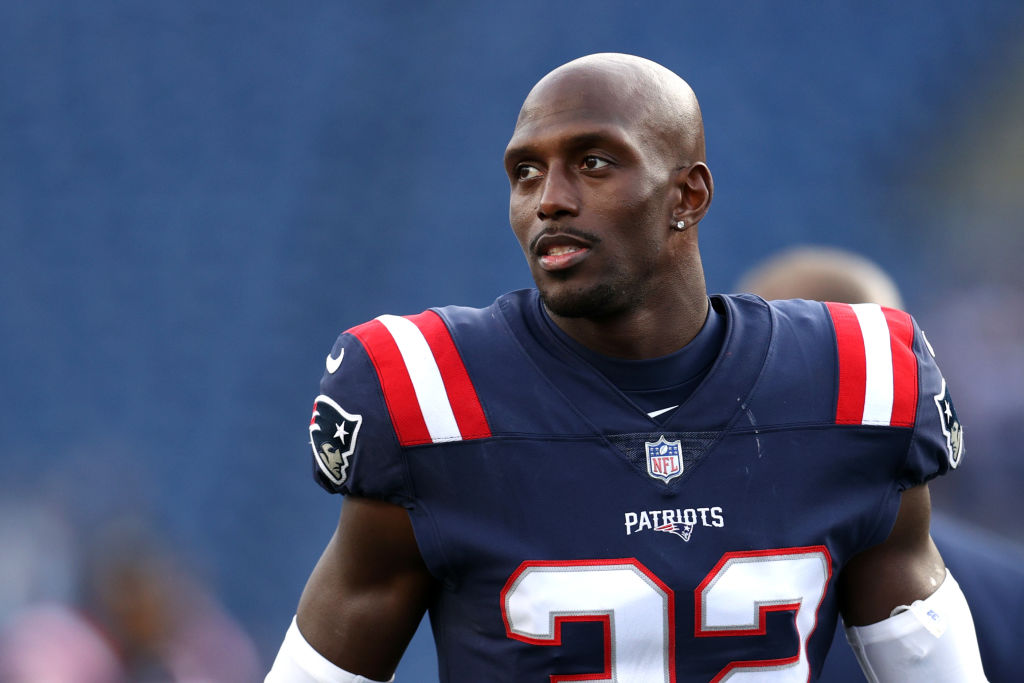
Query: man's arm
x=904, y=568
x=367, y=594
x=905, y=615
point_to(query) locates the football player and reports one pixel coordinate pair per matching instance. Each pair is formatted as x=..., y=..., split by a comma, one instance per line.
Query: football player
x=613, y=476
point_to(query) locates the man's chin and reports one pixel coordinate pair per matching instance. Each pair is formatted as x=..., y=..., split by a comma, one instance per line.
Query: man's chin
x=595, y=302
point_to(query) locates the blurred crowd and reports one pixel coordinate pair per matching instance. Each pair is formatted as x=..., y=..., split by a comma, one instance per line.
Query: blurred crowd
x=123, y=608
x=976, y=332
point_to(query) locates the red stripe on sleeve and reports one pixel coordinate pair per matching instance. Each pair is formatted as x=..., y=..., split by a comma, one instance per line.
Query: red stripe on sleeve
x=469, y=414
x=852, y=364
x=399, y=394
x=904, y=368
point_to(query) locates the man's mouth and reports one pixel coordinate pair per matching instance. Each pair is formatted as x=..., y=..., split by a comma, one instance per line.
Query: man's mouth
x=560, y=251
x=559, y=258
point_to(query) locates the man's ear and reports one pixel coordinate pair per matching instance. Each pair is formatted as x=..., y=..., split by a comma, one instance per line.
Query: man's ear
x=696, y=188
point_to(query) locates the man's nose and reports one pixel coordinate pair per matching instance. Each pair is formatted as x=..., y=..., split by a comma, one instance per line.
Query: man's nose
x=559, y=196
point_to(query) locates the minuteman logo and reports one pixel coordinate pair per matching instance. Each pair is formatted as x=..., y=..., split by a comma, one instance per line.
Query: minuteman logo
x=664, y=459
x=332, y=434
x=948, y=421
x=950, y=424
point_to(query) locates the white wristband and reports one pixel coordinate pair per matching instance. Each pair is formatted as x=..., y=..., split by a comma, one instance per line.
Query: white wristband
x=298, y=662
x=931, y=640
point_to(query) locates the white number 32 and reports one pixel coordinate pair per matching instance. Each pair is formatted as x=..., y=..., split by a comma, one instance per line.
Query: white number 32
x=637, y=610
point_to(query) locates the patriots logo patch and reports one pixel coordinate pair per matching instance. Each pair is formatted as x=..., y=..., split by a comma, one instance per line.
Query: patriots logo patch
x=332, y=434
x=950, y=424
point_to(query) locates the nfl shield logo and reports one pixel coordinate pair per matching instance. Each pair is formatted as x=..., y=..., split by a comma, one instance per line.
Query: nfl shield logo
x=664, y=459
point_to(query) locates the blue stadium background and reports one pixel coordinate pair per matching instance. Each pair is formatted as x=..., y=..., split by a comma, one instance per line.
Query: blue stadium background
x=195, y=198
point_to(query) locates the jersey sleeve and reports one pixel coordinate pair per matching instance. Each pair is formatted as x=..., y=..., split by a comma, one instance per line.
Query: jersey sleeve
x=937, y=445
x=392, y=384
x=887, y=377
x=354, y=447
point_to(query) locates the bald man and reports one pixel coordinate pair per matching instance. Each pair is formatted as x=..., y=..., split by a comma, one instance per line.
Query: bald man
x=612, y=476
x=989, y=568
x=823, y=274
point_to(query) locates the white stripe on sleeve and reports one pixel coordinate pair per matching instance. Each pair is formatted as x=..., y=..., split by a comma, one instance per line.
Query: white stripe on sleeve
x=426, y=378
x=878, y=389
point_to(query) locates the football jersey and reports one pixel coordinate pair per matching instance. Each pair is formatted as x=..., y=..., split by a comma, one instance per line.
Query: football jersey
x=577, y=538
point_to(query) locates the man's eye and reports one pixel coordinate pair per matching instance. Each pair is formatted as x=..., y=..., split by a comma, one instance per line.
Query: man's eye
x=526, y=172
x=592, y=163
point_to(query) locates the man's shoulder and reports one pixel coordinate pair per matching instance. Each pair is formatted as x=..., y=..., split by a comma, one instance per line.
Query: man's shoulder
x=859, y=364
x=780, y=310
x=802, y=315
x=427, y=371
x=438, y=335
x=864, y=366
x=791, y=345
x=782, y=331
x=799, y=327
x=399, y=381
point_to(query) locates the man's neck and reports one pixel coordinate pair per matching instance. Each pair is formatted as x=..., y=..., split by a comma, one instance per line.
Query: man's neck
x=644, y=332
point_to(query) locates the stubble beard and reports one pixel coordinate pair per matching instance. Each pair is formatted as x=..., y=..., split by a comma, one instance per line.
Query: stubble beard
x=621, y=290
x=596, y=302
x=614, y=295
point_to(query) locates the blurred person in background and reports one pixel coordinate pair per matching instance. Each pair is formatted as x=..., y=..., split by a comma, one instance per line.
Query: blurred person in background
x=165, y=625
x=44, y=636
x=990, y=568
x=55, y=643
x=139, y=616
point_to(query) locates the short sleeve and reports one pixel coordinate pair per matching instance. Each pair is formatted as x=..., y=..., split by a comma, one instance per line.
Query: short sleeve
x=937, y=445
x=354, y=447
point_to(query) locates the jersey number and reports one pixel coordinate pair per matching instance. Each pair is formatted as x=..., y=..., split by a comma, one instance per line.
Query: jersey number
x=637, y=610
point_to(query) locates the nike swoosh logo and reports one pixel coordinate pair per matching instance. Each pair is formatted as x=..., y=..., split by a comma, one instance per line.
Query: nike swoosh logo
x=656, y=413
x=334, y=363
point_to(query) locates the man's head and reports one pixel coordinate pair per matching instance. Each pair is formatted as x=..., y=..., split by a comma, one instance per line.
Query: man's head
x=606, y=158
x=822, y=274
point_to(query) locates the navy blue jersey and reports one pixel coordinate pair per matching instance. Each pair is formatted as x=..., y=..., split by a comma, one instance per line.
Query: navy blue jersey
x=577, y=538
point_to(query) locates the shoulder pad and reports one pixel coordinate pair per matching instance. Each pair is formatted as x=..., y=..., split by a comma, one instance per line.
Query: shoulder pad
x=878, y=383
x=426, y=387
x=888, y=377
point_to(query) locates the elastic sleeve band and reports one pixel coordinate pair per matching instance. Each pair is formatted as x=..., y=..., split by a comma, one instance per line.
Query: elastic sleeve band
x=298, y=662
x=931, y=640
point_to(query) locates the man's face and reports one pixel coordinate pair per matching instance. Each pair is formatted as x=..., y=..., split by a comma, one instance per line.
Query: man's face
x=591, y=198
